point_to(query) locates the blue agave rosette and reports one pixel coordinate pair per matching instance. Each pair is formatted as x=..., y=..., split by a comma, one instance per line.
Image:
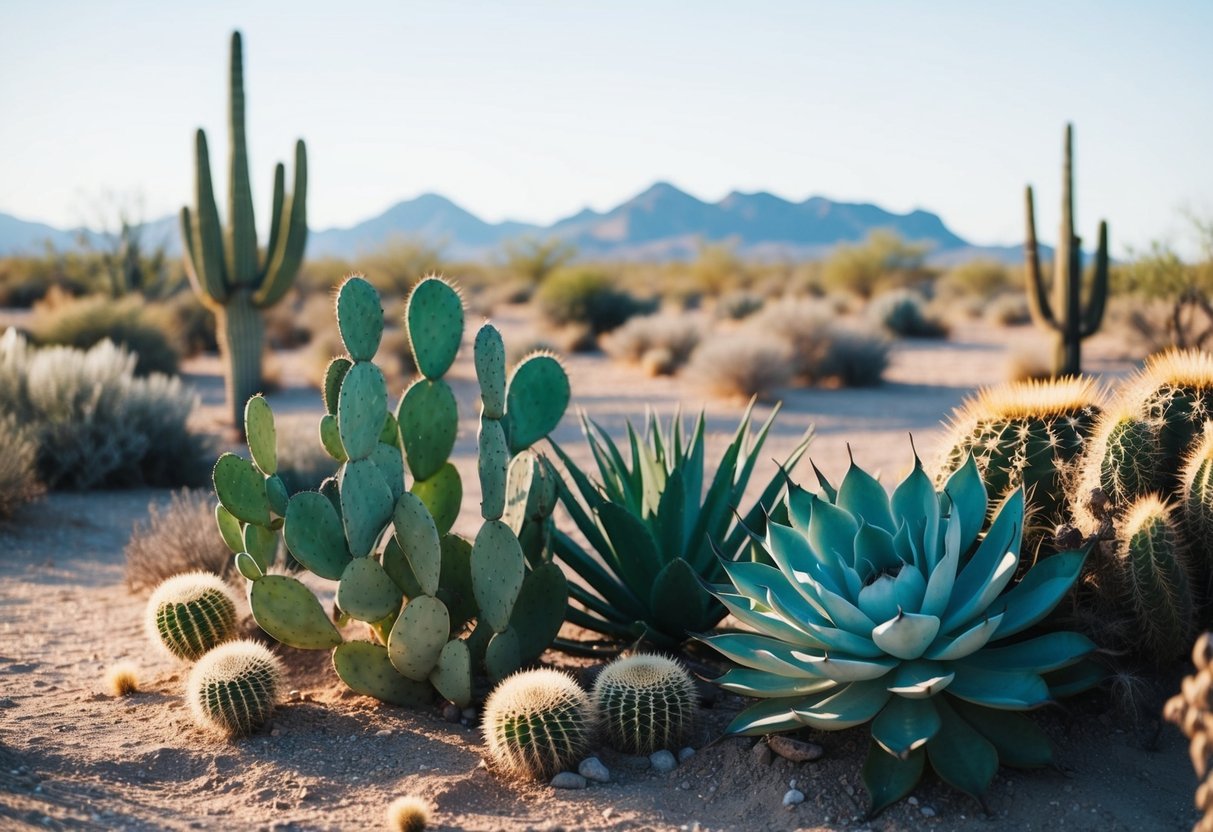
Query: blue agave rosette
x=903, y=613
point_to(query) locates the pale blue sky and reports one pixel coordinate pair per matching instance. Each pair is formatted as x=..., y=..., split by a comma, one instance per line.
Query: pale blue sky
x=533, y=110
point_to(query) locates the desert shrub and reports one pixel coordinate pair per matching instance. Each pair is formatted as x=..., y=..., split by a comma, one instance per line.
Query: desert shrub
x=399, y=264
x=882, y=261
x=192, y=324
x=288, y=324
x=904, y=313
x=531, y=259
x=588, y=298
x=1028, y=362
x=823, y=350
x=18, y=472
x=176, y=539
x=717, y=268
x=738, y=305
x=742, y=364
x=1009, y=309
x=395, y=355
x=982, y=278
x=27, y=279
x=140, y=328
x=675, y=337
x=95, y=423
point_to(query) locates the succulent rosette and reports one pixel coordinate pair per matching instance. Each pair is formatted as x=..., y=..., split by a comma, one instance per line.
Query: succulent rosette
x=910, y=613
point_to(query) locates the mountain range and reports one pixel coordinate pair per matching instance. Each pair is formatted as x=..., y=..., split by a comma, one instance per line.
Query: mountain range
x=661, y=223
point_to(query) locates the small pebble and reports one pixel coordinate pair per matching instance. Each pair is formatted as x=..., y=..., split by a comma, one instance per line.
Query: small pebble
x=927, y=812
x=686, y=754
x=451, y=712
x=662, y=761
x=384, y=732
x=568, y=780
x=762, y=753
x=792, y=797
x=912, y=800
x=686, y=785
x=797, y=751
x=607, y=812
x=592, y=768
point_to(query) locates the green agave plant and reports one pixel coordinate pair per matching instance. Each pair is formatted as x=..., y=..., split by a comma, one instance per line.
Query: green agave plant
x=900, y=612
x=652, y=526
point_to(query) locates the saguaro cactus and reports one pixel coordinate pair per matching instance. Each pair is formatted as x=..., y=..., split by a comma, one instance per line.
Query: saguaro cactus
x=1065, y=313
x=225, y=266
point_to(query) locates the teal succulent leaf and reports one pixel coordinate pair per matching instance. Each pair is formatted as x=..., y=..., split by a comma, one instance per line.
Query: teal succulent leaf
x=903, y=613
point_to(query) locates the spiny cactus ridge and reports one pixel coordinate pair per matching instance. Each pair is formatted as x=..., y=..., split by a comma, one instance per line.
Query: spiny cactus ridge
x=189, y=614
x=646, y=703
x=233, y=689
x=537, y=723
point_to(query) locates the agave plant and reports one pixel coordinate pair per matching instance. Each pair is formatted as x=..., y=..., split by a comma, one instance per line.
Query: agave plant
x=900, y=612
x=652, y=525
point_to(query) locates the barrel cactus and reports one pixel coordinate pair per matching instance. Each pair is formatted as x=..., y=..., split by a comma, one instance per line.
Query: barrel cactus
x=1175, y=388
x=537, y=723
x=1122, y=460
x=646, y=703
x=901, y=612
x=191, y=613
x=225, y=267
x=440, y=610
x=1026, y=434
x=233, y=689
x=1154, y=578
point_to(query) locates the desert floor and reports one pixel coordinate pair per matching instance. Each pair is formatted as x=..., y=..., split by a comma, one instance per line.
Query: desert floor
x=72, y=757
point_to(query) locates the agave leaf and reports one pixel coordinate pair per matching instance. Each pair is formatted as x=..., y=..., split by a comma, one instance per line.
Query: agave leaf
x=851, y=705
x=874, y=550
x=907, y=635
x=960, y=755
x=598, y=624
x=969, y=501
x=1039, y=591
x=1019, y=741
x=943, y=575
x=652, y=474
x=800, y=507
x=767, y=623
x=677, y=601
x=889, y=779
x=752, y=580
x=846, y=668
x=1083, y=675
x=920, y=679
x=798, y=563
x=755, y=518
x=832, y=533
x=912, y=500
x=766, y=717
x=843, y=613
x=762, y=685
x=966, y=643
x=863, y=497
x=1042, y=654
x=589, y=493
x=669, y=523
x=1006, y=691
x=633, y=544
x=827, y=489
x=991, y=568
x=878, y=600
x=603, y=582
x=693, y=468
x=905, y=725
x=762, y=653
x=715, y=509
x=827, y=637
x=910, y=588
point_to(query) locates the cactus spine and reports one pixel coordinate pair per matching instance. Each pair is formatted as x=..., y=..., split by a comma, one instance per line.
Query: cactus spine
x=537, y=723
x=233, y=689
x=646, y=703
x=1065, y=314
x=1155, y=574
x=438, y=608
x=191, y=613
x=224, y=266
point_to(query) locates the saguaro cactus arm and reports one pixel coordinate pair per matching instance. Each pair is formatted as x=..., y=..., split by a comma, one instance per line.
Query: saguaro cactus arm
x=1038, y=292
x=243, y=229
x=288, y=235
x=1099, y=286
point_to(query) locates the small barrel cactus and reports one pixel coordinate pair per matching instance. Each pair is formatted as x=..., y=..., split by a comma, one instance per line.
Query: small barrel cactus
x=1175, y=388
x=1155, y=576
x=408, y=814
x=646, y=703
x=537, y=723
x=233, y=688
x=191, y=613
x=1122, y=461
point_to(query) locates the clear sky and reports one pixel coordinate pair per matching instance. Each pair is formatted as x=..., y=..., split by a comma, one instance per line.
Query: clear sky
x=533, y=110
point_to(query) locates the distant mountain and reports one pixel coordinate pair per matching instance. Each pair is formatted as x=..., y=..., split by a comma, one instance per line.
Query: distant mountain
x=662, y=223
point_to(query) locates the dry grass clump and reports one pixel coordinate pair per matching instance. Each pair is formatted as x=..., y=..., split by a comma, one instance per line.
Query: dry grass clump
x=1008, y=310
x=142, y=329
x=180, y=537
x=738, y=305
x=824, y=351
x=904, y=313
x=395, y=355
x=408, y=814
x=122, y=679
x=18, y=471
x=1029, y=362
x=742, y=364
x=660, y=343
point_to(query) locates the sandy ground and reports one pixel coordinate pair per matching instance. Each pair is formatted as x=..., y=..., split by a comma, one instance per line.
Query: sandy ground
x=71, y=757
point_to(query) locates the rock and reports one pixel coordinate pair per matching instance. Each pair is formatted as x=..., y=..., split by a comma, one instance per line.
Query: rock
x=592, y=768
x=686, y=754
x=912, y=800
x=451, y=712
x=662, y=761
x=927, y=812
x=607, y=812
x=384, y=732
x=798, y=751
x=762, y=753
x=568, y=780
x=793, y=797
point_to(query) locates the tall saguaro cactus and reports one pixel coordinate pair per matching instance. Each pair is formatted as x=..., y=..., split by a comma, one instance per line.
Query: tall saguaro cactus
x=1066, y=314
x=224, y=265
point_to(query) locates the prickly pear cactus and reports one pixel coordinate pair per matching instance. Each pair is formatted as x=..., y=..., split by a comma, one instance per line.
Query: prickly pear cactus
x=191, y=613
x=233, y=689
x=442, y=611
x=646, y=703
x=537, y=723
